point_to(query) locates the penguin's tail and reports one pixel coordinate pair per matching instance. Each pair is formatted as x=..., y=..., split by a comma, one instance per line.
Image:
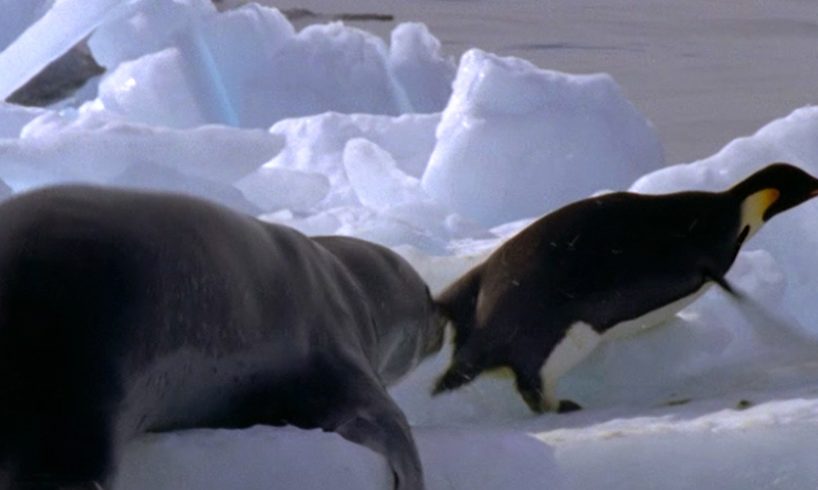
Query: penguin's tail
x=458, y=304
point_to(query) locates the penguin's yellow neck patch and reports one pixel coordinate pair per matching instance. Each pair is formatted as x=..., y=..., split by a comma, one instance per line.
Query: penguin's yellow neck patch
x=754, y=207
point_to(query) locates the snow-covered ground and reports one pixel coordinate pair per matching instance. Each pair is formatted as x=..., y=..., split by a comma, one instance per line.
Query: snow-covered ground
x=332, y=130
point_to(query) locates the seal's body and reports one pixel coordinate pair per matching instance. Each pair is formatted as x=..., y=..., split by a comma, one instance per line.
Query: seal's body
x=602, y=267
x=127, y=312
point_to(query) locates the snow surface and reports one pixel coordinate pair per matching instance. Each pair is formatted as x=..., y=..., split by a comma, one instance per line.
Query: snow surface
x=332, y=131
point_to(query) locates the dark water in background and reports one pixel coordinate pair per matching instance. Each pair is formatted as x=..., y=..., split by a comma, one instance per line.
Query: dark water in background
x=703, y=71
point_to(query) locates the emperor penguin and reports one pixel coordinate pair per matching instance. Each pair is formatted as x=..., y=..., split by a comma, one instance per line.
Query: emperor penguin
x=600, y=268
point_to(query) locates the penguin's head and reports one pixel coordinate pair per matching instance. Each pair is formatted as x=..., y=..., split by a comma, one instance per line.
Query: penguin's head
x=773, y=190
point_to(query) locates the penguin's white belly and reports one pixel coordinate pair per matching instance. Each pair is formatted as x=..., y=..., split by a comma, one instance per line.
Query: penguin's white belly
x=581, y=339
x=652, y=318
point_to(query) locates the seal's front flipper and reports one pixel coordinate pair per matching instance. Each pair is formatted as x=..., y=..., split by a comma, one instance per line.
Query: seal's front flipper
x=371, y=418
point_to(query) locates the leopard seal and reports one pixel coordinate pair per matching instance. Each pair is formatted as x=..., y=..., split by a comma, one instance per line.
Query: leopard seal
x=126, y=312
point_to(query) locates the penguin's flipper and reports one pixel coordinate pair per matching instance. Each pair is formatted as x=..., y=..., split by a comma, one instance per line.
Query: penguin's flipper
x=725, y=285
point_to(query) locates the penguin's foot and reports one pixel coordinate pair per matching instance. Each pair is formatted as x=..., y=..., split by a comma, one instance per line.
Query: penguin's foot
x=567, y=406
x=743, y=404
x=533, y=398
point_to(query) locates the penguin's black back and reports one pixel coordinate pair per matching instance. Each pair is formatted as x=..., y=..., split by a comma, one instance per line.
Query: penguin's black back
x=611, y=258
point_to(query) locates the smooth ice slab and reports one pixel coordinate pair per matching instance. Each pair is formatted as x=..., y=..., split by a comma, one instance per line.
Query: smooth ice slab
x=17, y=16
x=516, y=141
x=151, y=26
x=13, y=118
x=274, y=188
x=417, y=63
x=249, y=68
x=317, y=143
x=375, y=177
x=67, y=23
x=89, y=148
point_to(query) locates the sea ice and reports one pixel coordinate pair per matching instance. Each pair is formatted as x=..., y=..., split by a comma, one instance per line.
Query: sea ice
x=516, y=141
x=375, y=177
x=395, y=209
x=248, y=68
x=88, y=147
x=63, y=26
x=146, y=175
x=664, y=409
x=276, y=188
x=368, y=224
x=152, y=90
x=317, y=143
x=17, y=16
x=321, y=223
x=151, y=26
x=417, y=63
x=13, y=118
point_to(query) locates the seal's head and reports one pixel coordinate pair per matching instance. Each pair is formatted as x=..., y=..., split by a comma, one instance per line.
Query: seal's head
x=407, y=324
